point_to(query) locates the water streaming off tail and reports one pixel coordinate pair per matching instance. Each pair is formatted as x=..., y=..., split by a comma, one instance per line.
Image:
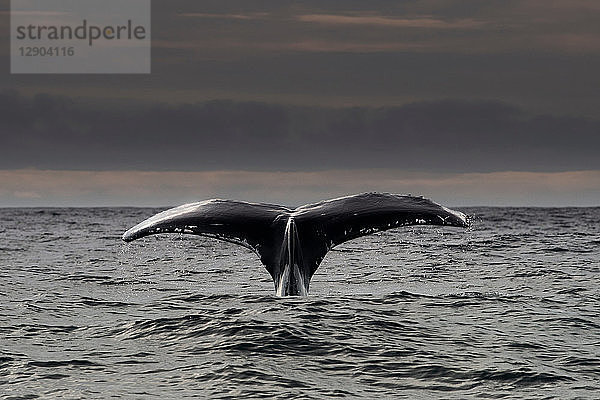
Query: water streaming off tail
x=292, y=280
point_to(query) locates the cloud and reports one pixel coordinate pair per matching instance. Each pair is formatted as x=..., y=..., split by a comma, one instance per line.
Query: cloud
x=159, y=188
x=451, y=135
x=379, y=20
x=353, y=47
x=35, y=13
x=561, y=5
x=541, y=55
x=251, y=16
x=26, y=195
x=573, y=42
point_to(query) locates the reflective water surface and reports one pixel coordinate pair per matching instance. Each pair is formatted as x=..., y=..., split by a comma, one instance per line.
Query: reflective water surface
x=506, y=309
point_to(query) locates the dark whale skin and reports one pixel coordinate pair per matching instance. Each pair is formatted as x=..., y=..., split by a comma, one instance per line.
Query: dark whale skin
x=291, y=243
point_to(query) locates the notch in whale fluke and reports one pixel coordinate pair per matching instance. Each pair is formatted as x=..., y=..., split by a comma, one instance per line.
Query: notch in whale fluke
x=265, y=228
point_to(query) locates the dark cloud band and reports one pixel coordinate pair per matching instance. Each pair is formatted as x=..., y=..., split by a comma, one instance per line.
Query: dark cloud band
x=458, y=136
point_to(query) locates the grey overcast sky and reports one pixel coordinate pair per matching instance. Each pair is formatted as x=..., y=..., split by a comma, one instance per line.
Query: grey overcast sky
x=469, y=102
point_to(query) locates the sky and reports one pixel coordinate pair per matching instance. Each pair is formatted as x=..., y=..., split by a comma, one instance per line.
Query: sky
x=467, y=102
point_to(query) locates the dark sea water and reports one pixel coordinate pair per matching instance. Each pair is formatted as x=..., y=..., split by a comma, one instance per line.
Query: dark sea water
x=509, y=308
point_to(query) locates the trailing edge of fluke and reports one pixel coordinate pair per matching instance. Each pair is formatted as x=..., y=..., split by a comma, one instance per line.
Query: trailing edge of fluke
x=291, y=243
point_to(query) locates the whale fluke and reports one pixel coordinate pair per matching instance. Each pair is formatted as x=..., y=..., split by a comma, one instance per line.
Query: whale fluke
x=291, y=243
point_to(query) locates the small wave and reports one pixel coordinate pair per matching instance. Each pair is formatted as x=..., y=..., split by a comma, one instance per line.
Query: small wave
x=539, y=272
x=233, y=333
x=98, y=260
x=24, y=397
x=120, y=282
x=135, y=362
x=53, y=238
x=103, y=279
x=161, y=326
x=524, y=345
x=520, y=377
x=42, y=328
x=85, y=277
x=461, y=299
x=5, y=360
x=451, y=377
x=403, y=294
x=195, y=298
x=559, y=249
x=581, y=361
x=252, y=374
x=486, y=296
x=575, y=290
x=53, y=376
x=92, y=302
x=64, y=363
x=572, y=321
x=7, y=249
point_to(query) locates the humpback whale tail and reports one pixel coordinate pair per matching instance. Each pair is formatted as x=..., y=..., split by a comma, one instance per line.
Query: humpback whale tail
x=291, y=243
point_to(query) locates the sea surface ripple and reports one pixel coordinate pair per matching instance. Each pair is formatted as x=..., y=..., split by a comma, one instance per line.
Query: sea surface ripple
x=506, y=309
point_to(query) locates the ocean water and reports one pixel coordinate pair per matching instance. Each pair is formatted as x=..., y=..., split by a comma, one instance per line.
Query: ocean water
x=509, y=308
